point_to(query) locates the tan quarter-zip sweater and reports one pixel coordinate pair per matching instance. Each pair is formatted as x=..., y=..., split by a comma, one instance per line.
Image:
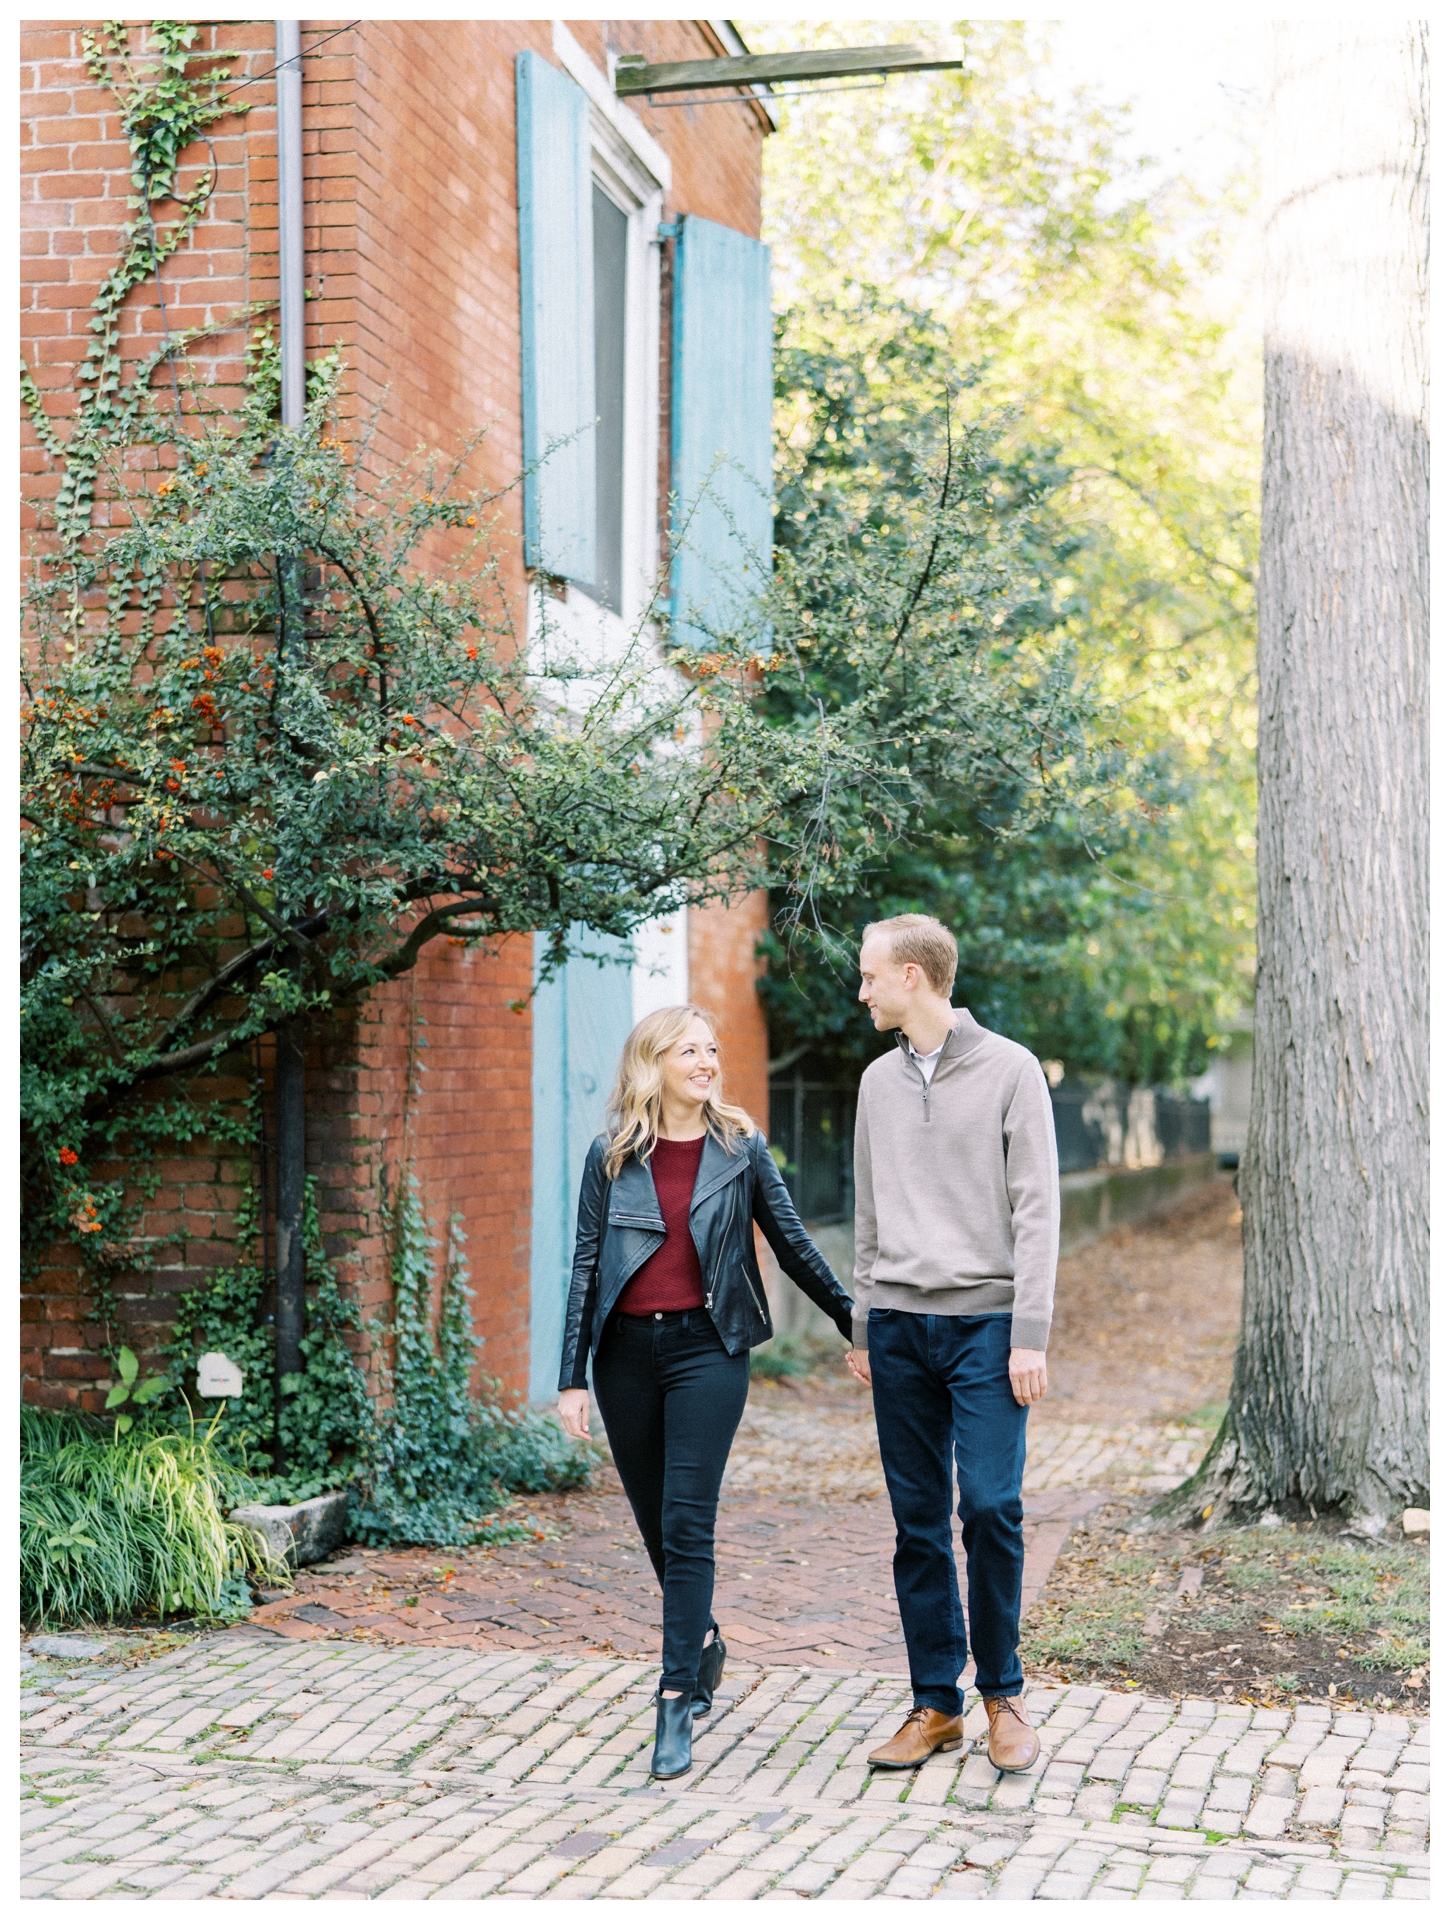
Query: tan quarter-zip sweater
x=956, y=1185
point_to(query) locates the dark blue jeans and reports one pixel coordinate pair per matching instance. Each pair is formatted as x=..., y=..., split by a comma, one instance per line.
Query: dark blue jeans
x=672, y=1398
x=940, y=1387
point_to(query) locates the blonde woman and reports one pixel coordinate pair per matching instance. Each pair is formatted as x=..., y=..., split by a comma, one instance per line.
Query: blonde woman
x=666, y=1295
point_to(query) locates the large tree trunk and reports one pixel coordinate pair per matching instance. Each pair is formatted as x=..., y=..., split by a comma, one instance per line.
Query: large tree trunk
x=1330, y=1395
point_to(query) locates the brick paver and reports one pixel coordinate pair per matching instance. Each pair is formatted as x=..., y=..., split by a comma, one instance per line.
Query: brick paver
x=248, y=1766
x=796, y=1581
x=825, y=1438
x=799, y=1579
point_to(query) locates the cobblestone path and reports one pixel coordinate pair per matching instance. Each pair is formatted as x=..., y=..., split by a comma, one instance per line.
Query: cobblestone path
x=248, y=1766
x=796, y=1581
x=827, y=1440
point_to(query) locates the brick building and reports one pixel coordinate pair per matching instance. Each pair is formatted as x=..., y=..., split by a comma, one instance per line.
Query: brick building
x=492, y=238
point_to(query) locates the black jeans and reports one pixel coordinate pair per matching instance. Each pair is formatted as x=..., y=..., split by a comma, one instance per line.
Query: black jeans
x=940, y=1387
x=672, y=1398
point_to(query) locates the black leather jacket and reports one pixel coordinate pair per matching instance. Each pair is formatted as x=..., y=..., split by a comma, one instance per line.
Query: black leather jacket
x=620, y=1226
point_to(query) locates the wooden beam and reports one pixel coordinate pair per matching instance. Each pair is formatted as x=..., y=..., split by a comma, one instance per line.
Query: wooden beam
x=633, y=76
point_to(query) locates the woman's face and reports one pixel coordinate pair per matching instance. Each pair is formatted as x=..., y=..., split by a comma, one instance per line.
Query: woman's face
x=692, y=1066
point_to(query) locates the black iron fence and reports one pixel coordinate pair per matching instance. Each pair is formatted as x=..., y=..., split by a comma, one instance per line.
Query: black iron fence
x=1183, y=1125
x=1110, y=1124
x=812, y=1125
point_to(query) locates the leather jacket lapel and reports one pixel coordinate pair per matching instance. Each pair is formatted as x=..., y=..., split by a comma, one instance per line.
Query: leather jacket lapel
x=718, y=1167
x=633, y=1201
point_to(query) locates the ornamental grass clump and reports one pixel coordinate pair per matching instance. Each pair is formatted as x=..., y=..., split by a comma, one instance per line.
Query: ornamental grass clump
x=117, y=1525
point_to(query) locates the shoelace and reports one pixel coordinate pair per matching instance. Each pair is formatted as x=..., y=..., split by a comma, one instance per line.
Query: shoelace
x=1008, y=1703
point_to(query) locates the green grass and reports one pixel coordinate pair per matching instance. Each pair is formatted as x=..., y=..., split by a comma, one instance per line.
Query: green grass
x=114, y=1527
x=1103, y=1624
x=1299, y=1595
x=1342, y=1590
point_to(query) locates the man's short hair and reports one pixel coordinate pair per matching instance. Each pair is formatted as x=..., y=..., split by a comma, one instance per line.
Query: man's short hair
x=916, y=937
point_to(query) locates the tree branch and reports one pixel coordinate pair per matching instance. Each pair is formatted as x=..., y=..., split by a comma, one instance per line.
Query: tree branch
x=431, y=924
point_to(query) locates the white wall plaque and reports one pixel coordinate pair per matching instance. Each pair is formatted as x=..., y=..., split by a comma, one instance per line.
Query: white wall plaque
x=218, y=1378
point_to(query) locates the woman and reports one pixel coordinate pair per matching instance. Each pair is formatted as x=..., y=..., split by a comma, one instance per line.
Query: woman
x=666, y=1294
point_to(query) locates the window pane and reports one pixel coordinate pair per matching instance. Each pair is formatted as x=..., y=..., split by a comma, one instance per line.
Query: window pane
x=611, y=235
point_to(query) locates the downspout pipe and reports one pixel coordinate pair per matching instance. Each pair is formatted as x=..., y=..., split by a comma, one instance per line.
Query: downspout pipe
x=291, y=254
x=290, y=1298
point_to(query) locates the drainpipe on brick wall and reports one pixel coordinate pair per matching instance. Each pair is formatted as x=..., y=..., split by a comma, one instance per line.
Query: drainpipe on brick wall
x=292, y=261
x=290, y=1305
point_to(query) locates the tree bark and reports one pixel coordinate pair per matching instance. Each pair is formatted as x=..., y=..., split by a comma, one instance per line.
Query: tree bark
x=1329, y=1405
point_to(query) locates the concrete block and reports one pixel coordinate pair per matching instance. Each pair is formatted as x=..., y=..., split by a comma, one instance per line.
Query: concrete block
x=1267, y=1818
x=1321, y=1807
x=301, y=1534
x=66, y=1646
x=1143, y=1787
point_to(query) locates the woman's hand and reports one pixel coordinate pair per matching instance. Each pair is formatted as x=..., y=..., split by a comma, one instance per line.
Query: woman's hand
x=858, y=1361
x=574, y=1412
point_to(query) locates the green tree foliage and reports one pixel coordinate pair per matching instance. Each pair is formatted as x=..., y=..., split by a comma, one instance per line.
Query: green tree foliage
x=1067, y=299
x=257, y=787
x=1011, y=843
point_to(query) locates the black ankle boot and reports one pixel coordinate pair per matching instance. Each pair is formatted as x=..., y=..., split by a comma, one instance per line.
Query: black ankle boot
x=712, y=1665
x=673, y=1727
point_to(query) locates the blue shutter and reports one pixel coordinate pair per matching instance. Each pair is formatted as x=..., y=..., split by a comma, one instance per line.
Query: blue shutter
x=556, y=283
x=582, y=1018
x=721, y=405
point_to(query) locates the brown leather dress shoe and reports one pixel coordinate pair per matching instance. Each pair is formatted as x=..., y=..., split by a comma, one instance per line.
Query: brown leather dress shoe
x=924, y=1733
x=1012, y=1741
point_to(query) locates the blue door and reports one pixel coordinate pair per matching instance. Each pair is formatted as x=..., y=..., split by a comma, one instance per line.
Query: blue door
x=582, y=1018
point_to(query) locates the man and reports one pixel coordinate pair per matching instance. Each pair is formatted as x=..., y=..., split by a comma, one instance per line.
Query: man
x=956, y=1257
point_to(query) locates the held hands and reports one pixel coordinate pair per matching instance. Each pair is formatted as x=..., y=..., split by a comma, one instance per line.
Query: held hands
x=1027, y=1372
x=574, y=1412
x=858, y=1363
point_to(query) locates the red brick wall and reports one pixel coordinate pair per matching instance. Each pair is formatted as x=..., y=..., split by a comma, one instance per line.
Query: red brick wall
x=723, y=969
x=412, y=262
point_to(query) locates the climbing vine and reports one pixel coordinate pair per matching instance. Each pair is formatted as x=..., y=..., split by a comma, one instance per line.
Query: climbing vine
x=444, y=1461
x=164, y=109
x=323, y=1417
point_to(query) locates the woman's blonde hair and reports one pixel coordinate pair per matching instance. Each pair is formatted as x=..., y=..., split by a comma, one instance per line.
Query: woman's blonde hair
x=632, y=1119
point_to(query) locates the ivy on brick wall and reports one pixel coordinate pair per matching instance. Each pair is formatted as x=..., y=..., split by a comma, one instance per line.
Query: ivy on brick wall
x=432, y=1462
x=444, y=1461
x=163, y=109
x=323, y=1416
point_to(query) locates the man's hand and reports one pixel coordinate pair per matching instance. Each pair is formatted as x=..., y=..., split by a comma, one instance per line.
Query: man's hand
x=859, y=1363
x=574, y=1412
x=1027, y=1371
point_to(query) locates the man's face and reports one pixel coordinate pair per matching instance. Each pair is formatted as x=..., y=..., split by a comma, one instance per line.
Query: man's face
x=885, y=983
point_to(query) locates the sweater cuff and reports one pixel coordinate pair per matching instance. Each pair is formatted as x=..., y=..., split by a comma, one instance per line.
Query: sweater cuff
x=1031, y=1330
x=858, y=1330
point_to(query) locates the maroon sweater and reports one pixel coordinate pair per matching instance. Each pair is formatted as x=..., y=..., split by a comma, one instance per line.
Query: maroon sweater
x=670, y=1280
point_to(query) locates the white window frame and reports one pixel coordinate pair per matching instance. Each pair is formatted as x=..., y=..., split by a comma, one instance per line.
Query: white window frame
x=634, y=170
